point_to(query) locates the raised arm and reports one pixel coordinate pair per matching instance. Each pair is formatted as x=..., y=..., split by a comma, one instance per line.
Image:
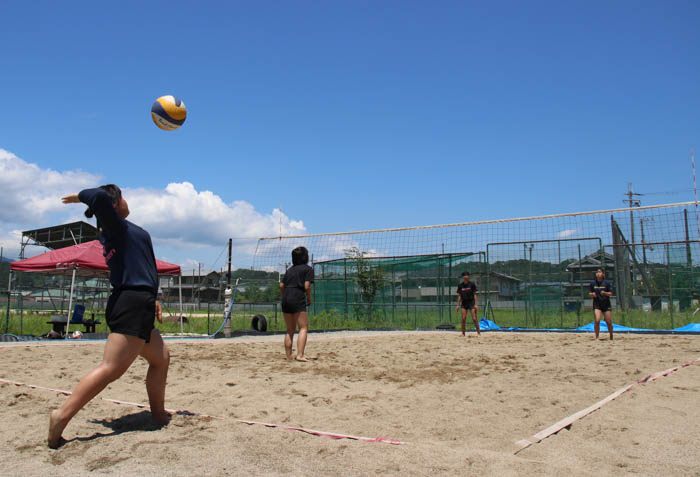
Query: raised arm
x=101, y=205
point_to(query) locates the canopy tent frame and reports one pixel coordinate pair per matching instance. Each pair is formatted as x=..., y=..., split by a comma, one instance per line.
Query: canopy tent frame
x=85, y=259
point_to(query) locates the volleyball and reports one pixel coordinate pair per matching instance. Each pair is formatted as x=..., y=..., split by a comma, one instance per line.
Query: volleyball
x=77, y=335
x=168, y=112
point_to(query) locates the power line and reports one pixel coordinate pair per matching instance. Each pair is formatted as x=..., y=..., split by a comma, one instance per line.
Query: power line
x=668, y=192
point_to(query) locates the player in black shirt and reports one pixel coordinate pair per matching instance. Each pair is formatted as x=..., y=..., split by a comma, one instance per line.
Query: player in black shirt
x=296, y=296
x=467, y=300
x=601, y=291
x=131, y=309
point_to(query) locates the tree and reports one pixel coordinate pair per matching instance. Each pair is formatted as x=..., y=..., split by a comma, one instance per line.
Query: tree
x=370, y=278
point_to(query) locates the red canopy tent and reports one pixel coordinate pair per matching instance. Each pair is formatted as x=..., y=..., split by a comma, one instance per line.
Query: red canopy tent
x=84, y=259
x=87, y=258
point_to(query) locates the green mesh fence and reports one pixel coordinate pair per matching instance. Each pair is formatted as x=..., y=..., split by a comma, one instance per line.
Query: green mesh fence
x=548, y=281
x=417, y=291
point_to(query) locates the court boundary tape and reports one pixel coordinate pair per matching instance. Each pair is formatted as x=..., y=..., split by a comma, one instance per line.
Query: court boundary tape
x=183, y=412
x=568, y=421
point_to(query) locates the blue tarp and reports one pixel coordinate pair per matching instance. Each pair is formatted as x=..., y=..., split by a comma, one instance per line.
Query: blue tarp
x=616, y=327
x=486, y=325
x=694, y=327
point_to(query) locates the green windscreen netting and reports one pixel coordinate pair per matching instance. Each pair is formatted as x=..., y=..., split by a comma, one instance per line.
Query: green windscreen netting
x=394, y=291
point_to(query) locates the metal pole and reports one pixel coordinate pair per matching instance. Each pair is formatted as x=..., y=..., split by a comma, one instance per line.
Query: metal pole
x=561, y=287
x=393, y=293
x=228, y=274
x=580, y=277
x=688, y=257
x=9, y=298
x=670, y=281
x=644, y=247
x=70, y=303
x=180, y=293
x=534, y=315
x=439, y=286
x=21, y=315
x=345, y=283
x=449, y=291
x=228, y=292
x=527, y=286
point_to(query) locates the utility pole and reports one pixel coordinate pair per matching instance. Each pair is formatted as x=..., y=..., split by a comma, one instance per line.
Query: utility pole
x=228, y=295
x=632, y=202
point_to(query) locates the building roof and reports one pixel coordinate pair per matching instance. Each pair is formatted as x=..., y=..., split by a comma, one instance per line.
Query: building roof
x=60, y=236
x=593, y=260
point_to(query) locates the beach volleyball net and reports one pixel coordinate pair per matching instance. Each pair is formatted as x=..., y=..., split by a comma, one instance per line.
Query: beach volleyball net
x=531, y=272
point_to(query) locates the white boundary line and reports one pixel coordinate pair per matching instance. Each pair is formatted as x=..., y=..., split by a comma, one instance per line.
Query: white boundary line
x=567, y=421
x=183, y=412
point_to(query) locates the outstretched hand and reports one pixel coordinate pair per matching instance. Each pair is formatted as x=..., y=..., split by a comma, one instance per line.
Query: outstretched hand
x=70, y=199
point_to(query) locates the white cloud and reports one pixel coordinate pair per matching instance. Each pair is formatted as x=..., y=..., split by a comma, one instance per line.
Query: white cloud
x=567, y=233
x=10, y=243
x=182, y=217
x=28, y=194
x=185, y=223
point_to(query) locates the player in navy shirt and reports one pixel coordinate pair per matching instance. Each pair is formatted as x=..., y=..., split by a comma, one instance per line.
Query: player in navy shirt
x=131, y=309
x=601, y=291
x=296, y=296
x=466, y=300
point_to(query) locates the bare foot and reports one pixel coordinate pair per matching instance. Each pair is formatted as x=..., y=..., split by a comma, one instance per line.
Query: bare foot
x=55, y=429
x=302, y=359
x=160, y=418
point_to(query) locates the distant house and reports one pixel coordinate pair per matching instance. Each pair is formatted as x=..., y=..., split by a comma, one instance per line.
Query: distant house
x=203, y=288
x=504, y=286
x=584, y=270
x=501, y=286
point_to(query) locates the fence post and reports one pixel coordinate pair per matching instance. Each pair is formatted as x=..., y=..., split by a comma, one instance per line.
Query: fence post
x=21, y=315
x=670, y=281
x=7, y=316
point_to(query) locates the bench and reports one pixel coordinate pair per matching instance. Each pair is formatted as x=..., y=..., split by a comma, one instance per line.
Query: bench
x=59, y=323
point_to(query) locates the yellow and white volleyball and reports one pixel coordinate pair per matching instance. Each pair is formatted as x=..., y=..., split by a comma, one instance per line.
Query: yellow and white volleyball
x=168, y=112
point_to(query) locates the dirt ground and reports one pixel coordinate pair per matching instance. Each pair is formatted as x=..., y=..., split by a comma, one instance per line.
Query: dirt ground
x=459, y=404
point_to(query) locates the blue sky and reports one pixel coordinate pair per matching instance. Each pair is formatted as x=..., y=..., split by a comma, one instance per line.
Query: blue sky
x=349, y=115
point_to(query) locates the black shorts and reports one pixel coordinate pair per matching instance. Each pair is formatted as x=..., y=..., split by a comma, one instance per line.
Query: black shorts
x=293, y=306
x=468, y=305
x=293, y=301
x=604, y=307
x=132, y=312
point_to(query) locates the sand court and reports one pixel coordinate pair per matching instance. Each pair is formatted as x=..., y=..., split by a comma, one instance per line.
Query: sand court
x=459, y=405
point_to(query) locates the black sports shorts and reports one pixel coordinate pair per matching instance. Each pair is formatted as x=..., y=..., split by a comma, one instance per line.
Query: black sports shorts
x=293, y=301
x=602, y=307
x=132, y=312
x=468, y=305
x=293, y=307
